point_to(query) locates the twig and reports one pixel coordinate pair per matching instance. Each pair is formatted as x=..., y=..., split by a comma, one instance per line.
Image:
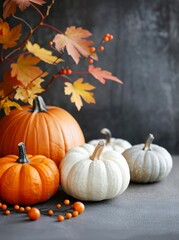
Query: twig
x=51, y=27
x=31, y=30
x=54, y=77
x=22, y=20
x=49, y=7
x=42, y=16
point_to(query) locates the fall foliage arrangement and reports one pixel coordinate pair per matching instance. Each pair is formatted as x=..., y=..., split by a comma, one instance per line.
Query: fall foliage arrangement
x=23, y=79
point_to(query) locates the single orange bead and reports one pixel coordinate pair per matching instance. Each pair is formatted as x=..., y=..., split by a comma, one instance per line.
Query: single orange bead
x=106, y=39
x=0, y=204
x=107, y=35
x=101, y=48
x=34, y=213
x=16, y=207
x=69, y=71
x=60, y=218
x=7, y=212
x=66, y=202
x=75, y=213
x=21, y=209
x=4, y=206
x=92, y=49
x=90, y=61
x=64, y=71
x=27, y=208
x=58, y=205
x=68, y=215
x=111, y=37
x=50, y=212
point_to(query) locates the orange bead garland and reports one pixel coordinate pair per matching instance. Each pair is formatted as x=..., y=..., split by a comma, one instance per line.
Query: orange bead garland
x=34, y=213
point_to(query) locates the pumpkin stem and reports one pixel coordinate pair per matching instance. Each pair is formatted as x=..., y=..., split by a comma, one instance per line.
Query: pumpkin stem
x=107, y=134
x=39, y=105
x=148, y=142
x=22, y=154
x=97, y=151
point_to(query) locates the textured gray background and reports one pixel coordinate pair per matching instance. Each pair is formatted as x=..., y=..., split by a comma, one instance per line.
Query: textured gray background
x=142, y=212
x=144, y=54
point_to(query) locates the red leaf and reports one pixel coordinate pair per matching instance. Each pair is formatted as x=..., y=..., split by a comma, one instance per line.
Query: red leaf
x=102, y=75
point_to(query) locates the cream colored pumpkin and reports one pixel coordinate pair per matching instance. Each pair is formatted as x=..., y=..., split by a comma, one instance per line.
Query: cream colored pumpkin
x=148, y=162
x=116, y=144
x=88, y=173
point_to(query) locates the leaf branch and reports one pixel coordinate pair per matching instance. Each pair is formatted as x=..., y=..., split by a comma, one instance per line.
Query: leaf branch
x=54, y=77
x=51, y=27
x=31, y=30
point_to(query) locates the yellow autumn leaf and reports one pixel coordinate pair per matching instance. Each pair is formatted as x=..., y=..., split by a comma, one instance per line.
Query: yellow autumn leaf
x=79, y=91
x=30, y=92
x=42, y=53
x=25, y=70
x=6, y=104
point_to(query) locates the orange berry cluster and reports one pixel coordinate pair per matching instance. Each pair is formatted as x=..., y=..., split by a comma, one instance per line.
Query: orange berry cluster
x=34, y=213
x=107, y=37
x=65, y=71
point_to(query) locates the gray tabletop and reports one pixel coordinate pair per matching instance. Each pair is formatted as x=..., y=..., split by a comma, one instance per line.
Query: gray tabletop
x=142, y=212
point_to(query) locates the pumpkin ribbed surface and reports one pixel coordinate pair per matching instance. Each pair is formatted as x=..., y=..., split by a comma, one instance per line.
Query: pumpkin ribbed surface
x=27, y=183
x=93, y=180
x=148, y=165
x=50, y=133
x=116, y=144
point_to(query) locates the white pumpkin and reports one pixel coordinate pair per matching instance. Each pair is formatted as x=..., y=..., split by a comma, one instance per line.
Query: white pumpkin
x=148, y=162
x=116, y=144
x=88, y=173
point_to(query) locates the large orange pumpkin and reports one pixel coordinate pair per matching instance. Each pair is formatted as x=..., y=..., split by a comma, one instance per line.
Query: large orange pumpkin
x=45, y=130
x=27, y=179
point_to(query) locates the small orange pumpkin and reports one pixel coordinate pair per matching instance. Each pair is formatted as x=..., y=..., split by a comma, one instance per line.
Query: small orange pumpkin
x=45, y=130
x=27, y=179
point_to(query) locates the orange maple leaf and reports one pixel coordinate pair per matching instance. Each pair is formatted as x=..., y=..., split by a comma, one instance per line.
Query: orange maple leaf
x=75, y=43
x=79, y=91
x=24, y=69
x=102, y=75
x=8, y=85
x=8, y=37
x=9, y=6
